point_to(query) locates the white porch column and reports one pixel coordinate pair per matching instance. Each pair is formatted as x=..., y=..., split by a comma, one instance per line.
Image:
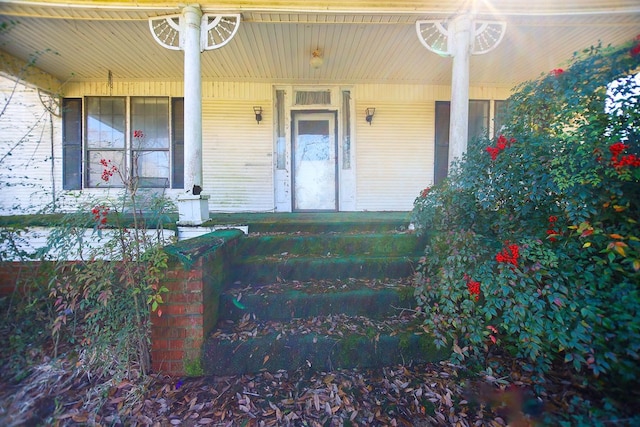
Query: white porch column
x=193, y=33
x=193, y=207
x=192, y=99
x=461, y=40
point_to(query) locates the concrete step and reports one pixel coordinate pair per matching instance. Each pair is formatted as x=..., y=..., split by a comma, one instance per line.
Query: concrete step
x=320, y=343
x=299, y=299
x=331, y=244
x=268, y=269
x=315, y=222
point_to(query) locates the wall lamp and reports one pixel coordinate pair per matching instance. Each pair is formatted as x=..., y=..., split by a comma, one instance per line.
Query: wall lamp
x=369, y=115
x=258, y=112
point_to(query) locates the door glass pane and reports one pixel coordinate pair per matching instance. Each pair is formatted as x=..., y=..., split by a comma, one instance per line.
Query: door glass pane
x=315, y=164
x=313, y=140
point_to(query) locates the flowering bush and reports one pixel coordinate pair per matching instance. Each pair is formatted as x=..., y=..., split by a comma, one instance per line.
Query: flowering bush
x=533, y=245
x=113, y=292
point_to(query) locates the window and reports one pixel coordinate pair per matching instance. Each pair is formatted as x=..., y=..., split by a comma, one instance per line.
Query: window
x=72, y=143
x=177, y=138
x=319, y=97
x=500, y=114
x=150, y=141
x=346, y=126
x=478, y=127
x=281, y=149
x=140, y=136
x=105, y=138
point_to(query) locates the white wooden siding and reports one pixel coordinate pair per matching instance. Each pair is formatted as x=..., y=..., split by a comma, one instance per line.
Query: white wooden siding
x=27, y=167
x=237, y=156
x=394, y=154
x=393, y=157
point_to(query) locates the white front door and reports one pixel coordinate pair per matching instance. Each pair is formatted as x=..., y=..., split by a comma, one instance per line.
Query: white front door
x=314, y=152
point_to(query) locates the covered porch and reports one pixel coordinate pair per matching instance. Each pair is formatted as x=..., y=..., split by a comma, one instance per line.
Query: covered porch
x=392, y=90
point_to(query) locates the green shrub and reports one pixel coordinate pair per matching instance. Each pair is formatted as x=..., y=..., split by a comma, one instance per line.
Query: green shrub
x=534, y=246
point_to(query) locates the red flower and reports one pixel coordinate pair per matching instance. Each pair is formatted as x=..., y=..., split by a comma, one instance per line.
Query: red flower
x=619, y=162
x=556, y=72
x=493, y=151
x=509, y=255
x=108, y=170
x=617, y=148
x=473, y=287
x=138, y=134
x=425, y=192
x=635, y=51
x=501, y=144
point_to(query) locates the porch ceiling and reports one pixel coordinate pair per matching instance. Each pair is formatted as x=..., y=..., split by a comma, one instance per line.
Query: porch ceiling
x=274, y=44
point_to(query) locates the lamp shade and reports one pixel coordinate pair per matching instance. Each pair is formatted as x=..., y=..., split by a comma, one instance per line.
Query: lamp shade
x=316, y=60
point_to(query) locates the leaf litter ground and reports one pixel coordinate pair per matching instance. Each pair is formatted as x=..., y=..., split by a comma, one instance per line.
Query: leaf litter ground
x=421, y=395
x=61, y=392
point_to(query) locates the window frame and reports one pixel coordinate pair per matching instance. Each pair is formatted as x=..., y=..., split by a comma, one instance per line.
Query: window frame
x=77, y=147
x=442, y=120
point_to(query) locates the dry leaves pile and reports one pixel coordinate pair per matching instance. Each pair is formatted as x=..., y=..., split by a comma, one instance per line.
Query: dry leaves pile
x=422, y=395
x=429, y=394
x=320, y=286
x=335, y=325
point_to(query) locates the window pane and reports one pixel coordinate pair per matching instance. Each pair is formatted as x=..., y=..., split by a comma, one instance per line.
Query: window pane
x=97, y=171
x=152, y=168
x=500, y=112
x=478, y=119
x=105, y=122
x=150, y=122
x=281, y=149
x=313, y=97
x=72, y=144
x=346, y=126
x=442, y=141
x=177, y=116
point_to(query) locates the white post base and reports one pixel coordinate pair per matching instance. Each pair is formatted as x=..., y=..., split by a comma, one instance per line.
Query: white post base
x=193, y=210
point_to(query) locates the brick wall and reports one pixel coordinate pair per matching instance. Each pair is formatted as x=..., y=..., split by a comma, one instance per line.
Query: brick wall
x=16, y=275
x=197, y=274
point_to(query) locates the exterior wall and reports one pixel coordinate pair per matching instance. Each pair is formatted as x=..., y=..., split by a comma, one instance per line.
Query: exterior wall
x=30, y=149
x=395, y=154
x=237, y=151
x=393, y=157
